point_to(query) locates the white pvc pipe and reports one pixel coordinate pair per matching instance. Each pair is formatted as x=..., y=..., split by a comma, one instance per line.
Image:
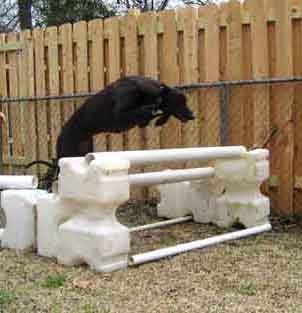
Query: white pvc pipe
x=1, y=233
x=161, y=224
x=18, y=182
x=167, y=155
x=198, y=244
x=170, y=176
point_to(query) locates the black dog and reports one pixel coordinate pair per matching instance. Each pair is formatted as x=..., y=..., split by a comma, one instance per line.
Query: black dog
x=129, y=102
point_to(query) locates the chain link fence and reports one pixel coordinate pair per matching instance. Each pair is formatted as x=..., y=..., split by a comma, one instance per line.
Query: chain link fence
x=255, y=113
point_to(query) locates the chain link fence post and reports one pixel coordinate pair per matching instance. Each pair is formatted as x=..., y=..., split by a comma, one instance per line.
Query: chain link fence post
x=224, y=94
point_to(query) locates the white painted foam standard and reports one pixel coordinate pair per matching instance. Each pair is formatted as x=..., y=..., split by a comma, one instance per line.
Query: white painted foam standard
x=18, y=182
x=198, y=244
x=168, y=155
x=170, y=176
x=162, y=224
x=19, y=207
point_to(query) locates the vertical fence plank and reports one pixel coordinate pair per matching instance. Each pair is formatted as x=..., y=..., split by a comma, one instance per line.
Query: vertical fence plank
x=31, y=139
x=14, y=107
x=169, y=74
x=4, y=107
x=148, y=25
x=247, y=91
x=96, y=33
x=80, y=38
x=134, y=136
x=65, y=37
x=191, y=130
x=210, y=123
x=81, y=57
x=189, y=21
x=234, y=72
x=23, y=91
x=297, y=59
x=260, y=69
x=112, y=30
x=41, y=106
x=54, y=87
x=282, y=110
x=296, y=6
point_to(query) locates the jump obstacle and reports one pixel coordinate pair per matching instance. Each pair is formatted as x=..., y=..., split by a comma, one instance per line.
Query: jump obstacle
x=77, y=223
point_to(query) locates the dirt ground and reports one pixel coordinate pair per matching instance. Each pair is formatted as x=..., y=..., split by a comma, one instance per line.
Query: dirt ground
x=258, y=274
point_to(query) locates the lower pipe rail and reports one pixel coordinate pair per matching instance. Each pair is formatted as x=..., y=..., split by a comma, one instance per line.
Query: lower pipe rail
x=161, y=224
x=198, y=244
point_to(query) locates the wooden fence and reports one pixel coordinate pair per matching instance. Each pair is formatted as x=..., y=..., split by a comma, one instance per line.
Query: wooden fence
x=251, y=40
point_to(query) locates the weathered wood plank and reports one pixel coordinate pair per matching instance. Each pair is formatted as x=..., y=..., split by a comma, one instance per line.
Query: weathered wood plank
x=54, y=87
x=112, y=30
x=40, y=85
x=96, y=65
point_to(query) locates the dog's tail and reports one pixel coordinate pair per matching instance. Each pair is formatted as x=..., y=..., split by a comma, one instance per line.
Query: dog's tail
x=46, y=181
x=52, y=165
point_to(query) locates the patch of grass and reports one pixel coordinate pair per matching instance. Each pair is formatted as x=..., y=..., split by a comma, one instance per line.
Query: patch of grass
x=55, y=309
x=168, y=240
x=55, y=281
x=90, y=308
x=247, y=289
x=5, y=297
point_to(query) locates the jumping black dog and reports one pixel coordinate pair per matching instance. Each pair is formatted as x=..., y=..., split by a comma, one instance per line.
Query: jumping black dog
x=129, y=102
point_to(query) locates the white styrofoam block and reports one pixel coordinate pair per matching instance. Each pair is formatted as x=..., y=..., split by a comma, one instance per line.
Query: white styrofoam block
x=174, y=200
x=253, y=214
x=262, y=170
x=19, y=208
x=102, y=181
x=258, y=154
x=203, y=199
x=51, y=212
x=247, y=213
x=196, y=197
x=234, y=170
x=254, y=167
x=102, y=244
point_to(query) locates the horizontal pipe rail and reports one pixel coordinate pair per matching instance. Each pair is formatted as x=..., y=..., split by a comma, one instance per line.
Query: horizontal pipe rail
x=140, y=157
x=161, y=224
x=18, y=182
x=170, y=176
x=198, y=244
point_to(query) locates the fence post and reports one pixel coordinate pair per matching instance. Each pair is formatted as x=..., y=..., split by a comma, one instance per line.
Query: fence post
x=224, y=96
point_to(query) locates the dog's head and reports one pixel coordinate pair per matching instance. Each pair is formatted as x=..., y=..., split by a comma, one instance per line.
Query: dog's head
x=174, y=103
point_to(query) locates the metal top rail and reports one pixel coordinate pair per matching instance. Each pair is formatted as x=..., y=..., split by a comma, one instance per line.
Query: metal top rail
x=218, y=84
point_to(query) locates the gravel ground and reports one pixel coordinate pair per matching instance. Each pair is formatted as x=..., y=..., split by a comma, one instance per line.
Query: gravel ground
x=258, y=274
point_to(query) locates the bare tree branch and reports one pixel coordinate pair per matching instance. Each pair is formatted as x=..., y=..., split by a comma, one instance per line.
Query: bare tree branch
x=163, y=5
x=7, y=10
